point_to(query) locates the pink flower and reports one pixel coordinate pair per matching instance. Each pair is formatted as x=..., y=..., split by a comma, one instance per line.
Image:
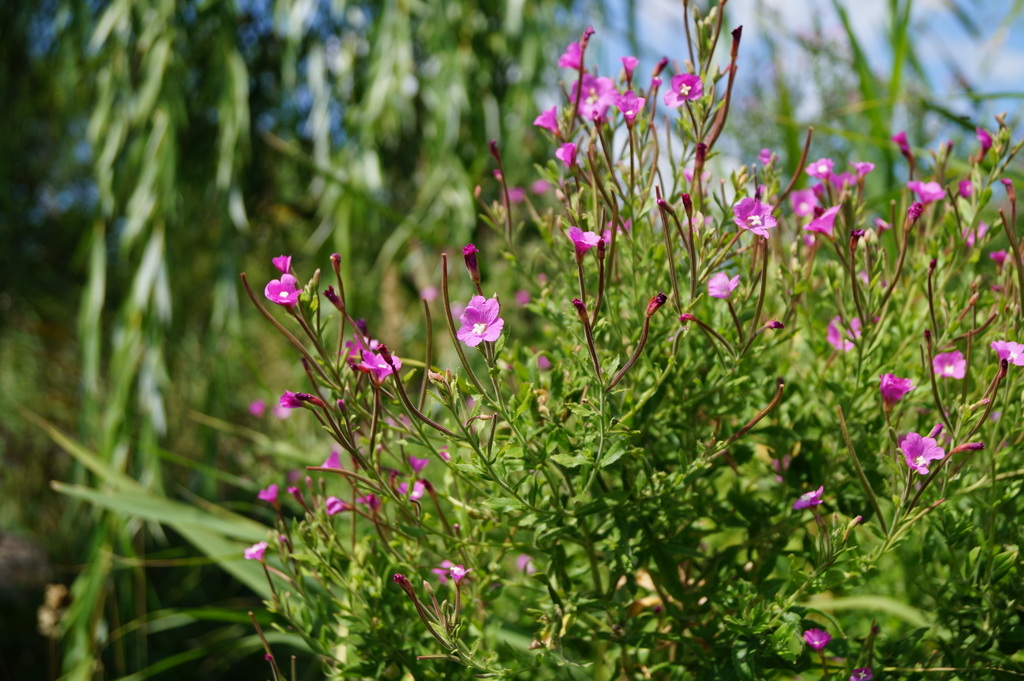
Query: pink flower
x=418, y=489
x=567, y=154
x=881, y=225
x=538, y=187
x=258, y=408
x=375, y=365
x=766, y=157
x=370, y=501
x=283, y=263
x=998, y=257
x=332, y=461
x=841, y=337
x=572, y=57
x=290, y=400
x=582, y=241
x=268, y=495
x=964, y=188
x=630, y=105
x=283, y=291
x=824, y=223
x=334, y=505
x=443, y=453
x=1010, y=351
x=522, y=297
x=862, y=674
x=817, y=639
x=752, y=215
x=926, y=191
x=900, y=139
x=418, y=464
x=442, y=571
x=684, y=86
x=629, y=64
x=949, y=364
x=820, y=169
x=972, y=235
x=548, y=120
x=984, y=140
x=918, y=451
x=480, y=321
x=429, y=293
x=598, y=95
x=720, y=285
x=256, y=551
x=516, y=194
x=809, y=499
x=893, y=389
x=543, y=363
x=458, y=572
x=525, y=564
x=862, y=167
x=803, y=202
x=840, y=180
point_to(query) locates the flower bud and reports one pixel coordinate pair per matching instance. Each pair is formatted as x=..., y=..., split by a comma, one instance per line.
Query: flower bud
x=336, y=263
x=469, y=252
x=332, y=296
x=660, y=66
x=915, y=211
x=493, y=146
x=656, y=302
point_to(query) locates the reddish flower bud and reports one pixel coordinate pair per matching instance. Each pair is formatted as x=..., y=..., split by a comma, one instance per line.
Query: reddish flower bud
x=581, y=308
x=469, y=252
x=687, y=203
x=701, y=155
x=336, y=262
x=687, y=317
x=775, y=324
x=662, y=63
x=493, y=146
x=585, y=38
x=915, y=211
x=332, y=296
x=656, y=302
x=666, y=206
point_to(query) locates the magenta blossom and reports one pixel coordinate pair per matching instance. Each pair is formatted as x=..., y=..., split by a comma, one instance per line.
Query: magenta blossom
x=862, y=674
x=821, y=168
x=415, y=492
x=900, y=139
x=334, y=505
x=752, y=215
x=283, y=291
x=926, y=191
x=766, y=156
x=998, y=257
x=840, y=337
x=721, y=286
x=268, y=495
x=862, y=167
x=824, y=223
x=972, y=235
x=630, y=105
x=567, y=154
x=629, y=64
x=803, y=202
x=598, y=95
x=949, y=364
x=984, y=140
x=458, y=572
x=840, y=180
x=283, y=263
x=525, y=564
x=572, y=59
x=881, y=225
x=817, y=639
x=539, y=187
x=893, y=388
x=480, y=321
x=370, y=501
x=582, y=241
x=418, y=464
x=256, y=551
x=964, y=188
x=258, y=408
x=918, y=451
x=809, y=499
x=548, y=120
x=684, y=86
x=290, y=400
x=334, y=460
x=375, y=365
x=1010, y=351
x=442, y=570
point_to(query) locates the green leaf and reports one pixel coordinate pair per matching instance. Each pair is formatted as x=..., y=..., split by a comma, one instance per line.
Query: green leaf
x=871, y=603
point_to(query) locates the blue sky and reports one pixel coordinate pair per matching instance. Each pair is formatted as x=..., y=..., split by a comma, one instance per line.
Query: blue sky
x=992, y=60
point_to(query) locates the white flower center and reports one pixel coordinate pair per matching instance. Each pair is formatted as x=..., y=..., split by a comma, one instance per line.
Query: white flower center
x=754, y=220
x=479, y=329
x=283, y=294
x=920, y=461
x=684, y=90
x=1013, y=355
x=593, y=96
x=823, y=169
x=949, y=370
